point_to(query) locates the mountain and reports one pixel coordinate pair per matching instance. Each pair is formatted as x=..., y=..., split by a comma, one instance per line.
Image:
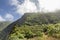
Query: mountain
x=4, y=24
x=39, y=18
x=33, y=25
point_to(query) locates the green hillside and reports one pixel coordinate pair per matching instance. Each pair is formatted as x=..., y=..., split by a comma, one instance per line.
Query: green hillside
x=37, y=26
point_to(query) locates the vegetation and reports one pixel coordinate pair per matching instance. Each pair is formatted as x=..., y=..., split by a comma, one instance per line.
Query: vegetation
x=35, y=31
x=37, y=26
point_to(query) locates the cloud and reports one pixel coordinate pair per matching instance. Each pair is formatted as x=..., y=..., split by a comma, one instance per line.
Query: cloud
x=9, y=17
x=1, y=18
x=50, y=5
x=32, y=6
x=27, y=6
x=14, y=2
x=36, y=2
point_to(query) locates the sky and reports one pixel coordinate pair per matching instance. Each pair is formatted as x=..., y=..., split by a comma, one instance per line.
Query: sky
x=11, y=10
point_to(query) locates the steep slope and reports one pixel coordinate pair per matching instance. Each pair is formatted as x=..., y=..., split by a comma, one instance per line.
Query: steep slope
x=4, y=24
x=41, y=18
x=31, y=19
x=5, y=33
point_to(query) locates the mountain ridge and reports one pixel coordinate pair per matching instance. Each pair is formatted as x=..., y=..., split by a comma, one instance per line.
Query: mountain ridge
x=30, y=19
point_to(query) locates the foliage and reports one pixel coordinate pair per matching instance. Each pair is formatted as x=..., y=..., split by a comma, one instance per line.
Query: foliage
x=35, y=25
x=36, y=31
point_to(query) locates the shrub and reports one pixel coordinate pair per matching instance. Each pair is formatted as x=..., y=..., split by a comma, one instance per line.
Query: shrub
x=28, y=34
x=39, y=34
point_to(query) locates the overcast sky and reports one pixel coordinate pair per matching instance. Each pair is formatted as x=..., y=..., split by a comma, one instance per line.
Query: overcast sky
x=14, y=9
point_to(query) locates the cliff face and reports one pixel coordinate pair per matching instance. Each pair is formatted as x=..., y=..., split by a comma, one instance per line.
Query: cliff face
x=30, y=19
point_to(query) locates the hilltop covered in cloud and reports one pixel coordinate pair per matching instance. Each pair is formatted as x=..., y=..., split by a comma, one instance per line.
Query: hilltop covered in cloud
x=17, y=8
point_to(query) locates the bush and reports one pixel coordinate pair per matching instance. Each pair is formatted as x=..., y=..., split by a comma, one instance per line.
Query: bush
x=28, y=34
x=26, y=31
x=39, y=34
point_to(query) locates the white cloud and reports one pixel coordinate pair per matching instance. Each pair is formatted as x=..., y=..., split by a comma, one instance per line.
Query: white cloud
x=1, y=18
x=26, y=7
x=29, y=6
x=9, y=17
x=14, y=2
x=50, y=5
